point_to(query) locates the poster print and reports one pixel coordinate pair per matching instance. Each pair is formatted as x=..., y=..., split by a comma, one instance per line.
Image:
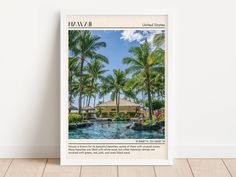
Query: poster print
x=114, y=102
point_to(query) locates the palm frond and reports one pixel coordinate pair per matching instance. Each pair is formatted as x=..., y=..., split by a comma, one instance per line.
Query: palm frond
x=101, y=58
x=159, y=39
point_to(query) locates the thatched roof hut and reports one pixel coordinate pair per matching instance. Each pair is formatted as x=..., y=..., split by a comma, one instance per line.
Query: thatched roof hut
x=123, y=103
x=124, y=106
x=73, y=108
x=88, y=108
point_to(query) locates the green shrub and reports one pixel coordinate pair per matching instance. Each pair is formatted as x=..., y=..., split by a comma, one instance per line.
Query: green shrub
x=121, y=117
x=161, y=118
x=74, y=118
x=150, y=121
x=83, y=114
x=88, y=114
x=112, y=114
x=132, y=114
x=156, y=104
x=98, y=112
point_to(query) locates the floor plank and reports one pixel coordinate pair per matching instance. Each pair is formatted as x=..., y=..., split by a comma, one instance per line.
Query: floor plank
x=39, y=167
x=136, y=171
x=208, y=168
x=26, y=168
x=179, y=169
x=4, y=164
x=99, y=171
x=53, y=169
x=231, y=165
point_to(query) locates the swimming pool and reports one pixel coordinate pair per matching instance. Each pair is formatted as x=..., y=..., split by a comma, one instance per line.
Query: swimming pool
x=113, y=130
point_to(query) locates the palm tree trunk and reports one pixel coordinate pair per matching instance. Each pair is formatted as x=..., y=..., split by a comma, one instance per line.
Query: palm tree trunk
x=84, y=99
x=117, y=109
x=149, y=96
x=89, y=98
x=91, y=89
x=118, y=101
x=94, y=100
x=81, y=84
x=143, y=98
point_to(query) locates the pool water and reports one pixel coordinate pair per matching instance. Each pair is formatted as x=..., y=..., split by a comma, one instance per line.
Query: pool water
x=112, y=130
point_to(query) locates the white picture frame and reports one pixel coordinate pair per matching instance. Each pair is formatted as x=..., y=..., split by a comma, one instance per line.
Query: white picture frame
x=64, y=101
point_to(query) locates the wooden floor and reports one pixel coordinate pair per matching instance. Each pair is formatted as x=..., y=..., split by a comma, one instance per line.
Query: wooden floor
x=181, y=168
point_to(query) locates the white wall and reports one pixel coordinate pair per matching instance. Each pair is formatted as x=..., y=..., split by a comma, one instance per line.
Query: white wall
x=204, y=35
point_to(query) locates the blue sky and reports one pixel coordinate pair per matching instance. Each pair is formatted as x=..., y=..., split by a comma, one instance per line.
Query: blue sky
x=116, y=49
x=118, y=44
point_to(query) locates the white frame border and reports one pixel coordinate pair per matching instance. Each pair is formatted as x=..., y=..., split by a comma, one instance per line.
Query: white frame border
x=63, y=99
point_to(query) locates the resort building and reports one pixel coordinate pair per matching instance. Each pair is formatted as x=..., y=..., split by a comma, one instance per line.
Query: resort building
x=72, y=109
x=88, y=109
x=126, y=106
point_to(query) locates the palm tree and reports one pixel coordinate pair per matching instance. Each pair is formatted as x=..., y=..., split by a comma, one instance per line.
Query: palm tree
x=136, y=85
x=84, y=46
x=115, y=84
x=158, y=82
x=73, y=38
x=159, y=39
x=95, y=70
x=72, y=64
x=103, y=91
x=71, y=80
x=96, y=88
x=143, y=61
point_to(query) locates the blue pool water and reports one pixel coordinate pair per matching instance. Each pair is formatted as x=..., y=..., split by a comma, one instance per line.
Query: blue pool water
x=112, y=130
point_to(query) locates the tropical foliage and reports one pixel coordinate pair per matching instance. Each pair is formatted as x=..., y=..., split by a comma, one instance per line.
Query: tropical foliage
x=84, y=47
x=148, y=65
x=74, y=118
x=115, y=85
x=143, y=81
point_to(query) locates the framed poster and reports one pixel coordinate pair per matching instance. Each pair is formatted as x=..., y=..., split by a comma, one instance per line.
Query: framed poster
x=114, y=97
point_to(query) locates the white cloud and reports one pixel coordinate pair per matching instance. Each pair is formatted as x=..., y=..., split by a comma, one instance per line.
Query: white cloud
x=131, y=35
x=140, y=36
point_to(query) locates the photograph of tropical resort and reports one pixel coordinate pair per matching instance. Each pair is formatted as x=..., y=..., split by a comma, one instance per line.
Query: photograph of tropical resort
x=116, y=84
